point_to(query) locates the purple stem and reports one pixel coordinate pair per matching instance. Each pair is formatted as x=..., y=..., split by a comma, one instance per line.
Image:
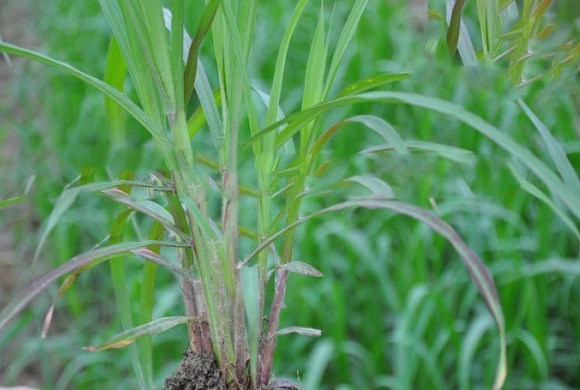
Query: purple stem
x=267, y=349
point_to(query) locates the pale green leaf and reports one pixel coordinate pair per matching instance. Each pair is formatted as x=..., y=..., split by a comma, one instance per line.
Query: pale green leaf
x=299, y=267
x=130, y=335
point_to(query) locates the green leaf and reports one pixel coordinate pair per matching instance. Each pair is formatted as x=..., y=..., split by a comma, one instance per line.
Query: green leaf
x=454, y=23
x=89, y=258
x=563, y=165
x=374, y=123
x=9, y=201
x=374, y=184
x=316, y=65
x=114, y=75
x=452, y=153
x=148, y=208
x=536, y=192
x=477, y=270
x=298, y=267
x=310, y=332
x=123, y=101
x=502, y=139
x=371, y=82
x=68, y=197
x=458, y=35
x=192, y=57
x=130, y=335
x=250, y=286
x=347, y=33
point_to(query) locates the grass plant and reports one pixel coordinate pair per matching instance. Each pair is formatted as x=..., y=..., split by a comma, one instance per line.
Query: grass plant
x=238, y=176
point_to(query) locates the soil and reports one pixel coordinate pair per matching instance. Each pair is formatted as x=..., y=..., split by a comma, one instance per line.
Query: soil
x=196, y=372
x=200, y=372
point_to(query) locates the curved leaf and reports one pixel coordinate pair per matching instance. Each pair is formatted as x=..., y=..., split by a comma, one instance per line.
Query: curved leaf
x=127, y=104
x=502, y=139
x=89, y=258
x=374, y=123
x=477, y=270
x=70, y=194
x=452, y=153
x=148, y=208
x=130, y=335
x=371, y=82
x=375, y=185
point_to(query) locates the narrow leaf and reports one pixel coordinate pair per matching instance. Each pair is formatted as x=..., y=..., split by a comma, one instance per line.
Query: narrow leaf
x=452, y=153
x=557, y=154
x=109, y=91
x=130, y=335
x=298, y=267
x=148, y=208
x=90, y=258
x=477, y=270
x=8, y=202
x=378, y=125
x=192, y=56
x=310, y=332
x=374, y=184
x=250, y=286
x=114, y=75
x=454, y=23
x=536, y=192
x=371, y=82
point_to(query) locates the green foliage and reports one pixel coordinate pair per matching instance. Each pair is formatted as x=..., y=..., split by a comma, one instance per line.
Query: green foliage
x=513, y=31
x=393, y=294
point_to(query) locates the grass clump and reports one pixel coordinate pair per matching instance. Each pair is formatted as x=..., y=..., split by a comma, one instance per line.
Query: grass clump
x=236, y=178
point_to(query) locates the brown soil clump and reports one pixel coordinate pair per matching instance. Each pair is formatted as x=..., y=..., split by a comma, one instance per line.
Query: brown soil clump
x=196, y=372
x=200, y=372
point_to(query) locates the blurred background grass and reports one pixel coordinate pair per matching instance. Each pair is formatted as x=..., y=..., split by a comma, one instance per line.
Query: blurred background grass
x=396, y=306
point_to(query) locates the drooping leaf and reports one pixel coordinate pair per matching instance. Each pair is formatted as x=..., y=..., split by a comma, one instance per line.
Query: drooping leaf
x=148, y=208
x=130, y=335
x=123, y=101
x=452, y=153
x=374, y=123
x=563, y=165
x=477, y=270
x=377, y=186
x=536, y=192
x=89, y=258
x=502, y=139
x=68, y=197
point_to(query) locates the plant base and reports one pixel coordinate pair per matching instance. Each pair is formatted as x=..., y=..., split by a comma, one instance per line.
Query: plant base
x=200, y=372
x=196, y=372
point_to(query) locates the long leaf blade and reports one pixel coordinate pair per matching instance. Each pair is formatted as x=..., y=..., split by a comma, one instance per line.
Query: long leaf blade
x=92, y=257
x=130, y=335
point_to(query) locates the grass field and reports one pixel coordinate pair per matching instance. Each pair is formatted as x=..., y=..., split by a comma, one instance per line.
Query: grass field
x=396, y=307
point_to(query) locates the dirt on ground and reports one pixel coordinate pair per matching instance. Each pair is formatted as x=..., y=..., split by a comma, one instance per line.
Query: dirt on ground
x=196, y=372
